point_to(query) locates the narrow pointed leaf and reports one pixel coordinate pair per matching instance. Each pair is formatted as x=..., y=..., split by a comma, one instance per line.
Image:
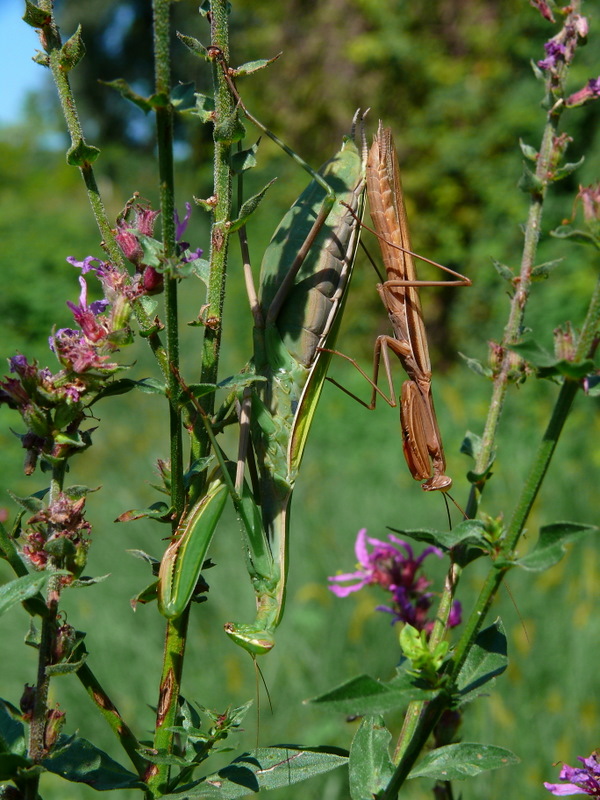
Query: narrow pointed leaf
x=370, y=767
x=487, y=659
x=263, y=769
x=470, y=532
x=82, y=762
x=253, y=66
x=464, y=760
x=21, y=589
x=248, y=208
x=504, y=271
x=365, y=695
x=476, y=366
x=550, y=546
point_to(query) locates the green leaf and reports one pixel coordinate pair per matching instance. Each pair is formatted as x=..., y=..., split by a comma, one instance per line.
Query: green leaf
x=12, y=731
x=365, y=695
x=569, y=232
x=487, y=658
x=529, y=182
x=263, y=769
x=567, y=169
x=469, y=532
x=542, y=271
x=464, y=760
x=125, y=90
x=65, y=667
x=533, y=352
x=151, y=386
x=199, y=267
x=528, y=151
x=240, y=381
x=370, y=767
x=10, y=766
x=183, y=96
x=243, y=160
x=471, y=445
x=72, y=51
x=117, y=387
x=253, y=66
x=152, y=250
x=196, y=47
x=147, y=595
x=79, y=761
x=34, y=16
x=20, y=589
x=547, y=364
x=229, y=128
x=32, y=503
x=504, y=271
x=550, y=546
x=476, y=366
x=205, y=107
x=248, y=208
x=159, y=511
x=81, y=154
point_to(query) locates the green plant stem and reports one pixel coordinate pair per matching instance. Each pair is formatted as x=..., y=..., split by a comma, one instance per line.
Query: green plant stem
x=543, y=175
x=219, y=237
x=37, y=726
x=410, y=741
x=175, y=639
x=112, y=716
x=51, y=40
x=52, y=43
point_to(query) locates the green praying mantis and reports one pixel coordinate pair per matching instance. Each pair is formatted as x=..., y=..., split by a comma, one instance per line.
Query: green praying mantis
x=303, y=284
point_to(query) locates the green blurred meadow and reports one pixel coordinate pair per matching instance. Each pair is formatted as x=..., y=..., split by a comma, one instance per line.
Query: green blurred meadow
x=453, y=80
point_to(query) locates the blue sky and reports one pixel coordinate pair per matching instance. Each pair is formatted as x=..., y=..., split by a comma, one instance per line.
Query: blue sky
x=18, y=43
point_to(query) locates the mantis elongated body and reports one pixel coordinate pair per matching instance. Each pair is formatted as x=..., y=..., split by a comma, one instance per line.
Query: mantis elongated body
x=422, y=443
x=290, y=351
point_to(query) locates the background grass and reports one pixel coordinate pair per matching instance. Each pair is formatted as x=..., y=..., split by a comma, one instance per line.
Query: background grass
x=457, y=135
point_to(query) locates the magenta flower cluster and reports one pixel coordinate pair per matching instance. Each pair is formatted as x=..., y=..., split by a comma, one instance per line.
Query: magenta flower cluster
x=579, y=780
x=393, y=566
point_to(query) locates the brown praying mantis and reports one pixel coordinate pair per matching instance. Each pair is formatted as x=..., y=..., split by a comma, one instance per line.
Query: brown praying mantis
x=422, y=442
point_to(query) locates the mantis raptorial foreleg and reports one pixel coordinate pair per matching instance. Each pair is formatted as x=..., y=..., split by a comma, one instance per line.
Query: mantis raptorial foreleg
x=422, y=443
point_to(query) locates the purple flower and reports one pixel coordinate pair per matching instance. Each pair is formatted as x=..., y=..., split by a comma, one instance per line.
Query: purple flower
x=581, y=780
x=126, y=237
x=555, y=52
x=591, y=91
x=386, y=565
x=393, y=566
x=88, y=316
x=180, y=228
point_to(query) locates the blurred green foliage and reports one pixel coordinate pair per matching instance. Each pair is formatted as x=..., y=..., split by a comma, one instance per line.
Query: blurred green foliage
x=453, y=80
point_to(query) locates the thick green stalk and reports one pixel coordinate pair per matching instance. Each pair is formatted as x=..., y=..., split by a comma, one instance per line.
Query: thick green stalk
x=415, y=732
x=543, y=174
x=176, y=633
x=37, y=725
x=219, y=238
